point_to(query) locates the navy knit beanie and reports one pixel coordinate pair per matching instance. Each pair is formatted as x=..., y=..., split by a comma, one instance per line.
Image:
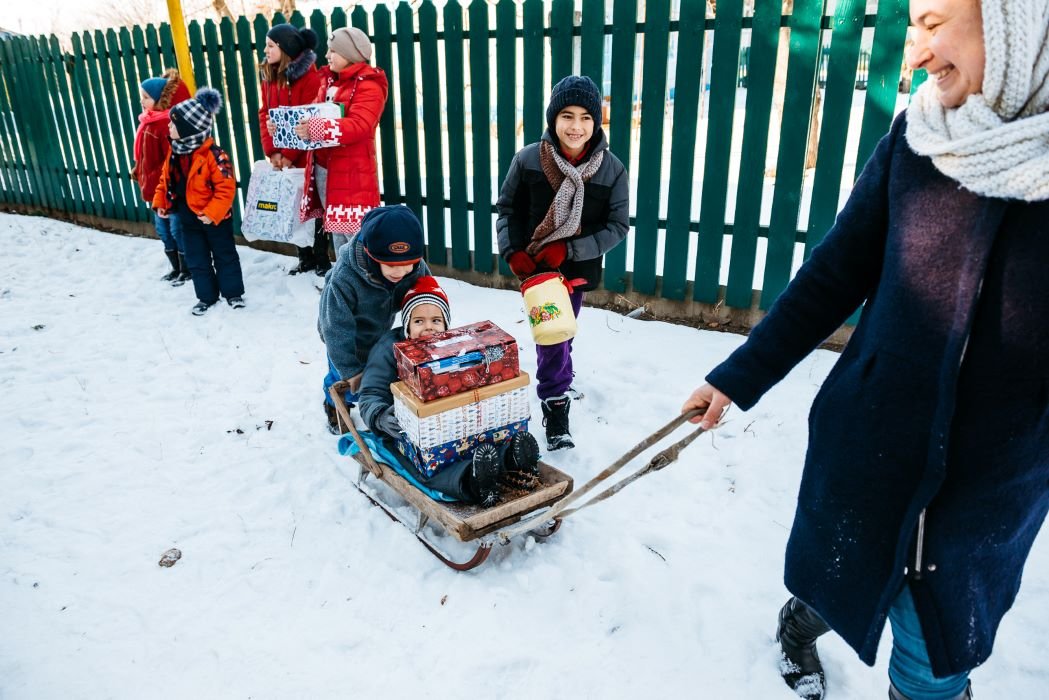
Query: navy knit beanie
x=574, y=91
x=292, y=40
x=392, y=235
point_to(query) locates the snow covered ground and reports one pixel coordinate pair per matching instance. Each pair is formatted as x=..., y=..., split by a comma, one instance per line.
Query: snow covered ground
x=128, y=426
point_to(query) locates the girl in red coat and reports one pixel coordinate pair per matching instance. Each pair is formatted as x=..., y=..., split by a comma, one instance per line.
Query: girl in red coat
x=342, y=182
x=157, y=95
x=289, y=78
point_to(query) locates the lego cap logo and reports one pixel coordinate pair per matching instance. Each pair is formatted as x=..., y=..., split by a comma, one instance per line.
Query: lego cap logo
x=398, y=248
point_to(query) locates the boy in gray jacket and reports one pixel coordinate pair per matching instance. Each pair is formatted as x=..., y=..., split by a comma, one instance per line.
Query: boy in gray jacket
x=363, y=293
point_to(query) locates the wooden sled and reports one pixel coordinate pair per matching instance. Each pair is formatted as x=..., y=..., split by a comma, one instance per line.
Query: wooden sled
x=466, y=523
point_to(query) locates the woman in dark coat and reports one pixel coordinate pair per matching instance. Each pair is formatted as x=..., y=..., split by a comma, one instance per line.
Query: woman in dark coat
x=926, y=477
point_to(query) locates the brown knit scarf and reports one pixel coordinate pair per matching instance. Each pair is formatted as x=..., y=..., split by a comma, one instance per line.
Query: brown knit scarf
x=565, y=213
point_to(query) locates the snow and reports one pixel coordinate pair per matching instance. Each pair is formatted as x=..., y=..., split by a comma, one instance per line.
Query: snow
x=129, y=427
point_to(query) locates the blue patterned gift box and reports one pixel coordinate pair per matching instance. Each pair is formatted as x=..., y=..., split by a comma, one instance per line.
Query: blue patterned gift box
x=431, y=459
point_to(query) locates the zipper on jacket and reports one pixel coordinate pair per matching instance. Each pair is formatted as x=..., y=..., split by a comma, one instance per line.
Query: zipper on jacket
x=919, y=546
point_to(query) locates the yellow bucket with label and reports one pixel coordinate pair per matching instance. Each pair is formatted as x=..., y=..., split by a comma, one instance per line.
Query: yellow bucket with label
x=549, y=308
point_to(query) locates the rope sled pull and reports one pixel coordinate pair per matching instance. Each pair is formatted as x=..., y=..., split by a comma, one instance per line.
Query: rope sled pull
x=660, y=460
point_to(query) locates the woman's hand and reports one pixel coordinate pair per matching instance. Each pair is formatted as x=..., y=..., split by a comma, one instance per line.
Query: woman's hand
x=204, y=219
x=162, y=213
x=709, y=400
x=270, y=126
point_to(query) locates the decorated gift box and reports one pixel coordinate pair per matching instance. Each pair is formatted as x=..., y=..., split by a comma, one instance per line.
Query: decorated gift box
x=429, y=461
x=451, y=418
x=285, y=119
x=448, y=429
x=457, y=360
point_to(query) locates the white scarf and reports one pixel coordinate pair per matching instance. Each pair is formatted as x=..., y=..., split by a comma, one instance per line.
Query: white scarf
x=996, y=144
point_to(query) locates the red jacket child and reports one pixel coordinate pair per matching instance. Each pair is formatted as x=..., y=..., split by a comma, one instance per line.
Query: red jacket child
x=151, y=138
x=353, y=178
x=289, y=78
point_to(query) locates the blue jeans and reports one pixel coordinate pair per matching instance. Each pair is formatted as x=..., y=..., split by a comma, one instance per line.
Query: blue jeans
x=169, y=231
x=909, y=667
x=330, y=379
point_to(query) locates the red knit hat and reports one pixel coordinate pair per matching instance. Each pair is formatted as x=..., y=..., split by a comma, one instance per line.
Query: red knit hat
x=425, y=291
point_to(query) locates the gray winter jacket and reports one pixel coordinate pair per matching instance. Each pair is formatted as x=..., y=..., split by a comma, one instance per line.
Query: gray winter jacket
x=526, y=196
x=357, y=306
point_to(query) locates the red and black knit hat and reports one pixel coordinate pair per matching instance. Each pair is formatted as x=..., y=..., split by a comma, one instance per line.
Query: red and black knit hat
x=425, y=291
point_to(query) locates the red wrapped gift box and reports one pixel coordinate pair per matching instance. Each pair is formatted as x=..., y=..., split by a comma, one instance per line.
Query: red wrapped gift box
x=458, y=360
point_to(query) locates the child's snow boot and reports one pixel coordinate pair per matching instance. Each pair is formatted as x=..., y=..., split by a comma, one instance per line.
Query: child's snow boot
x=333, y=419
x=175, y=266
x=183, y=275
x=800, y=665
x=305, y=261
x=555, y=418
x=522, y=455
x=200, y=308
x=484, y=474
x=894, y=694
x=321, y=262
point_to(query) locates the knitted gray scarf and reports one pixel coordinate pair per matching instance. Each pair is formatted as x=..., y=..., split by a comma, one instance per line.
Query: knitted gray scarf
x=566, y=210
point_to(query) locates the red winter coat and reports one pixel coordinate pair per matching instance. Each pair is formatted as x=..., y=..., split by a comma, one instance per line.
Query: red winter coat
x=151, y=139
x=303, y=83
x=353, y=176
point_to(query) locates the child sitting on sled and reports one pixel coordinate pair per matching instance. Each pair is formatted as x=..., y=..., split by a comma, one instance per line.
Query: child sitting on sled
x=425, y=311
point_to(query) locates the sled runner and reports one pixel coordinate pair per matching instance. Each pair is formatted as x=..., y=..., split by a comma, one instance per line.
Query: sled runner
x=538, y=512
x=466, y=523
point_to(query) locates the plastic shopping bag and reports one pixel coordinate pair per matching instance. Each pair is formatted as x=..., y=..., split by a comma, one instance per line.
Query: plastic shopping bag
x=271, y=209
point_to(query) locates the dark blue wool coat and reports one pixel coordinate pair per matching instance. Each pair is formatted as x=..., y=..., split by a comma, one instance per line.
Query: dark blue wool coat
x=939, y=402
x=357, y=306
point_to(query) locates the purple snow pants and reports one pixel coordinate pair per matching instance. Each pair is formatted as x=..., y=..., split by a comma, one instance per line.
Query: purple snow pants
x=554, y=371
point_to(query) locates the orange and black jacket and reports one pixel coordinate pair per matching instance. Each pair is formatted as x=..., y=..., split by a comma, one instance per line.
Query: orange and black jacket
x=210, y=183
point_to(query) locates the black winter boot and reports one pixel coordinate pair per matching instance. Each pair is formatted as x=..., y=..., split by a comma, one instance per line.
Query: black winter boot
x=175, y=266
x=183, y=275
x=321, y=261
x=799, y=627
x=484, y=474
x=894, y=694
x=555, y=418
x=305, y=261
x=522, y=455
x=333, y=419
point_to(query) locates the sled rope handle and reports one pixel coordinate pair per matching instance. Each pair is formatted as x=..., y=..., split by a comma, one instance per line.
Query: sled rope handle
x=663, y=458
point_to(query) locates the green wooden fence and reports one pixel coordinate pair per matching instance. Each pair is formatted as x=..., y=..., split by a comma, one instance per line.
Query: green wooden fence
x=468, y=89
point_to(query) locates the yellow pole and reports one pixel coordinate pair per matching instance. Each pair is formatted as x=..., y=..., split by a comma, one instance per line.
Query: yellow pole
x=178, y=36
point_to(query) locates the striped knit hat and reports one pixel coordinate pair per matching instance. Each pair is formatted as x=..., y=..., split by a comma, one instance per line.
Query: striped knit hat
x=425, y=291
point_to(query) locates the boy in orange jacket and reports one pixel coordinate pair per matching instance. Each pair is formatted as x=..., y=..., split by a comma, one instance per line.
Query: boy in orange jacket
x=197, y=183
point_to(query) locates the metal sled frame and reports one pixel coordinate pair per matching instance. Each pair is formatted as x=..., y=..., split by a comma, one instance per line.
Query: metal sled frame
x=466, y=523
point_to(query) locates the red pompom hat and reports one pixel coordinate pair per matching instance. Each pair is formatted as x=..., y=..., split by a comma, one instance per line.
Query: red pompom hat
x=425, y=291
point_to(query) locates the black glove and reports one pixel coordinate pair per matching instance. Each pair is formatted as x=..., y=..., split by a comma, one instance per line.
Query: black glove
x=387, y=423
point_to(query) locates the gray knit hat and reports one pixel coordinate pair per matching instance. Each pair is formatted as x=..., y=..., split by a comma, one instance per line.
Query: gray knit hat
x=352, y=44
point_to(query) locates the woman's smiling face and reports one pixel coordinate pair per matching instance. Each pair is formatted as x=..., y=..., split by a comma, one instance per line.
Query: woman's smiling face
x=948, y=43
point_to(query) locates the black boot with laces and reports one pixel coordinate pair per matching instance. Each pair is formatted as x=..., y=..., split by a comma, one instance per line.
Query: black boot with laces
x=555, y=418
x=800, y=666
x=484, y=474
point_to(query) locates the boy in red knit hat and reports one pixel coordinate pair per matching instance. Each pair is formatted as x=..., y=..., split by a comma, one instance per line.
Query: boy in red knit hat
x=425, y=311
